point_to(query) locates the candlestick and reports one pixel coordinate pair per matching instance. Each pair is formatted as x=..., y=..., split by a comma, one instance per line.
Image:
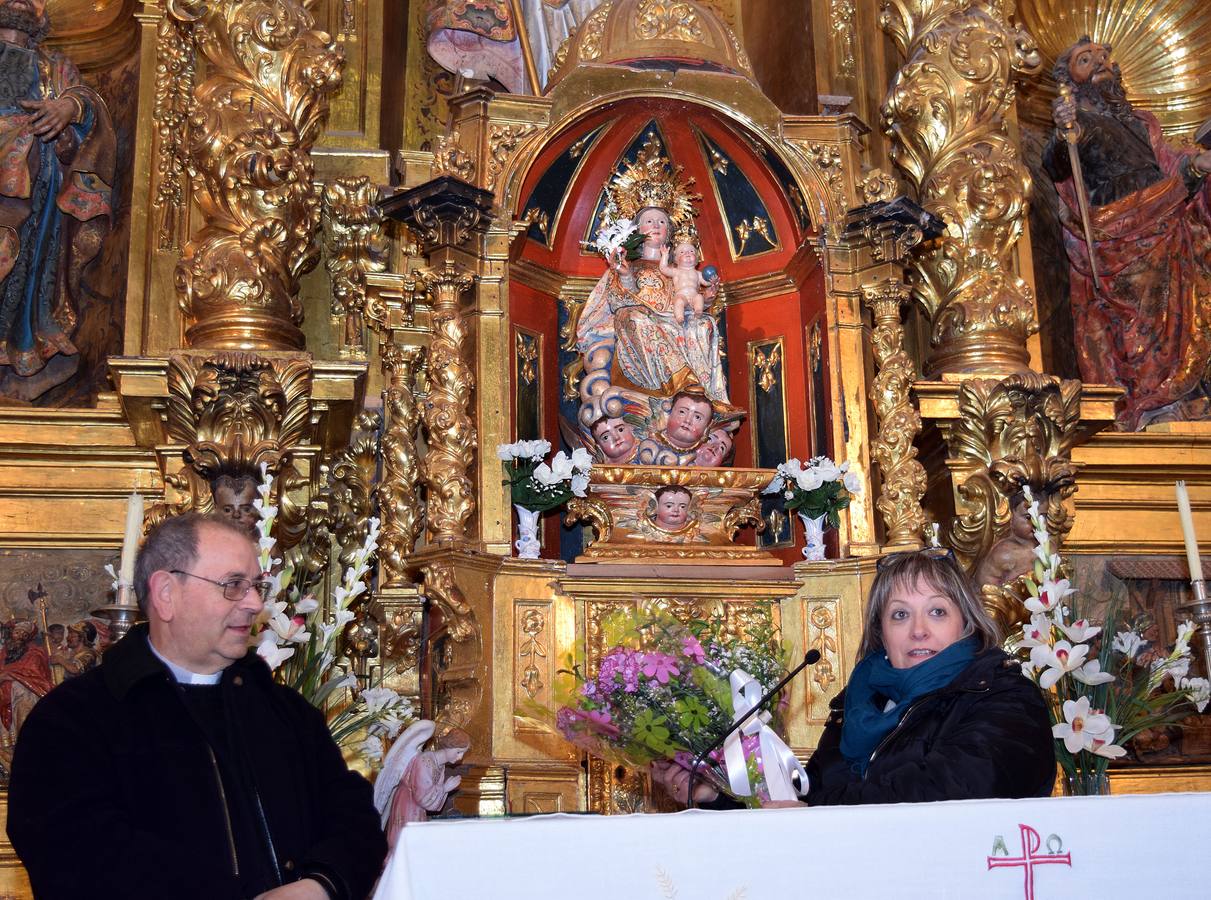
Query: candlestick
x=130, y=540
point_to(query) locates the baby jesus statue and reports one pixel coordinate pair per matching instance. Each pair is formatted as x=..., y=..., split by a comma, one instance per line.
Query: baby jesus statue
x=682, y=270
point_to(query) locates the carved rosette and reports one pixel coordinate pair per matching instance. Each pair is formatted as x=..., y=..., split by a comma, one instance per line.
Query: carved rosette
x=899, y=422
x=946, y=113
x=356, y=246
x=451, y=432
x=254, y=119
x=398, y=490
x=1010, y=432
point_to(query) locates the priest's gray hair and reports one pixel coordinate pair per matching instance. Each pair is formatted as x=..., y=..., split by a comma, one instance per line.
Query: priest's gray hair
x=173, y=544
x=935, y=566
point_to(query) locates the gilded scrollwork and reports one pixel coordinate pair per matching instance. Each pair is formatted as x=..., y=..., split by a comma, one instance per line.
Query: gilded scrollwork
x=399, y=486
x=503, y=141
x=827, y=158
x=668, y=19
x=1013, y=431
x=946, y=112
x=458, y=663
x=841, y=24
x=449, y=158
x=739, y=516
x=451, y=433
x=823, y=619
x=904, y=480
x=175, y=71
x=879, y=187
x=356, y=247
x=269, y=74
x=596, y=513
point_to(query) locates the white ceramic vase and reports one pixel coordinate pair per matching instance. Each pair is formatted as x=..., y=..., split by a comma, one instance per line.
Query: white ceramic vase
x=527, y=528
x=813, y=531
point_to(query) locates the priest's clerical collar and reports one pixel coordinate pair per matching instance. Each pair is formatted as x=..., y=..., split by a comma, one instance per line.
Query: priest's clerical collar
x=184, y=676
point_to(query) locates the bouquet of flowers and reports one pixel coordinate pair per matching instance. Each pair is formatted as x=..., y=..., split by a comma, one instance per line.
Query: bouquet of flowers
x=666, y=690
x=822, y=488
x=1099, y=692
x=618, y=235
x=537, y=486
x=300, y=642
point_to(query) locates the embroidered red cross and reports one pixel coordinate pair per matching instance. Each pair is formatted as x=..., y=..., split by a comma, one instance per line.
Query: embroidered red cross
x=1030, y=858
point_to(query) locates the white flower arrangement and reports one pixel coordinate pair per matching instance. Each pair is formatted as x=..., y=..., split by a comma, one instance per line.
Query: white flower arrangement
x=618, y=236
x=1099, y=698
x=821, y=488
x=537, y=485
x=300, y=643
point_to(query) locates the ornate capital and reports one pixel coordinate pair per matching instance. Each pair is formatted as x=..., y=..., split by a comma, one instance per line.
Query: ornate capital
x=252, y=123
x=946, y=113
x=356, y=247
x=443, y=212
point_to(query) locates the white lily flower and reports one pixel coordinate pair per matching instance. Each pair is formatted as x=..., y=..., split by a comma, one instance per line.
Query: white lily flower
x=1082, y=726
x=1057, y=661
x=1091, y=673
x=1198, y=690
x=1128, y=643
x=1051, y=594
x=1080, y=631
x=1185, y=631
x=307, y=605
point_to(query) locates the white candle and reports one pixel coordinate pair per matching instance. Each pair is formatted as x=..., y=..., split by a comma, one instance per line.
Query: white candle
x=1183, y=510
x=130, y=540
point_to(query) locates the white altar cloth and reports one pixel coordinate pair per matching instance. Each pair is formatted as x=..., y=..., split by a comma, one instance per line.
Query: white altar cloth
x=1145, y=845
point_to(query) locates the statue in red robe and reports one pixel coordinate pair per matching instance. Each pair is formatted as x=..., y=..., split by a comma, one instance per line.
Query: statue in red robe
x=1149, y=329
x=25, y=678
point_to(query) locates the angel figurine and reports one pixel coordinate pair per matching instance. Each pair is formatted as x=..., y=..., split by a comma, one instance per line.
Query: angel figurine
x=413, y=781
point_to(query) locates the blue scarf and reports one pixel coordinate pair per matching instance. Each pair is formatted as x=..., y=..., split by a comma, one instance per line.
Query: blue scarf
x=875, y=681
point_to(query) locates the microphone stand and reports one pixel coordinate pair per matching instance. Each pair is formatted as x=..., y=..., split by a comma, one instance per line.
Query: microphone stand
x=810, y=658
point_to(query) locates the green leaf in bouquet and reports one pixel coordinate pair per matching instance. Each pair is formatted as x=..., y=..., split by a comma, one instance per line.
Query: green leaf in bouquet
x=692, y=714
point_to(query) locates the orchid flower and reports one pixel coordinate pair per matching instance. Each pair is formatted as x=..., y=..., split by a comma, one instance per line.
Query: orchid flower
x=1083, y=727
x=1091, y=673
x=1128, y=643
x=1057, y=660
x=1080, y=631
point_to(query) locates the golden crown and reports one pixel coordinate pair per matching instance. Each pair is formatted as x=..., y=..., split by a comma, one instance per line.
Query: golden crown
x=652, y=181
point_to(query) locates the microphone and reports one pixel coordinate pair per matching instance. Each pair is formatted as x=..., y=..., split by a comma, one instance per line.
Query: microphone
x=810, y=658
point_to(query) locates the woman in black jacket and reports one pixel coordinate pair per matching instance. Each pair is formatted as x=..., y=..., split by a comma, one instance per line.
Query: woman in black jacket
x=934, y=710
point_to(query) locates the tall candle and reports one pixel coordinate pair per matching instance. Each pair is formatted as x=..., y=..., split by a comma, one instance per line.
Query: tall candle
x=1183, y=510
x=130, y=540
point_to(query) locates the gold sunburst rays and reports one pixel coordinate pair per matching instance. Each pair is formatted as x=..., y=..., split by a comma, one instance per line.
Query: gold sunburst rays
x=1162, y=46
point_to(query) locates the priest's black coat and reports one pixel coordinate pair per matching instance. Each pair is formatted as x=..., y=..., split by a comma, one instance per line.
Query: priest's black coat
x=986, y=734
x=114, y=792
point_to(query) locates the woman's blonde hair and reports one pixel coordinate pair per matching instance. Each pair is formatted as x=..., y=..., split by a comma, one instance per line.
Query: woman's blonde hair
x=935, y=566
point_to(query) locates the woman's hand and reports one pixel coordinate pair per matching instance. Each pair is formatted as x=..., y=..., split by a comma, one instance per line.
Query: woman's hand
x=675, y=780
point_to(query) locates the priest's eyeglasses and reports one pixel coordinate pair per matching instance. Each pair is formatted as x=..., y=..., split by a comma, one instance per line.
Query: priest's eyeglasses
x=235, y=589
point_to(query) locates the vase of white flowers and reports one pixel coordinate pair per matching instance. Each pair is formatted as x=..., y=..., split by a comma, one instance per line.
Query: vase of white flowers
x=817, y=492
x=537, y=486
x=301, y=642
x=1100, y=693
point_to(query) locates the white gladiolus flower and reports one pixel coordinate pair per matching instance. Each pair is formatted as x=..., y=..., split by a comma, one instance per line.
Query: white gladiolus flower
x=343, y=617
x=307, y=605
x=372, y=749
x=379, y=698
x=1051, y=593
x=1185, y=631
x=1128, y=643
x=1199, y=691
x=273, y=655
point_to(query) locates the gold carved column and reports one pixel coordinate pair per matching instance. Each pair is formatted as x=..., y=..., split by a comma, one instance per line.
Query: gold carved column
x=947, y=112
x=252, y=123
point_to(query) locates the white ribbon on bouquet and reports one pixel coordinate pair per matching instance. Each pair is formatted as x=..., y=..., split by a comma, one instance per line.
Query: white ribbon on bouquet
x=778, y=763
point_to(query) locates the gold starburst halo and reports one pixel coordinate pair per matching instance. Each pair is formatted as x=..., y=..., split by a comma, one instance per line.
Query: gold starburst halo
x=652, y=180
x=1162, y=46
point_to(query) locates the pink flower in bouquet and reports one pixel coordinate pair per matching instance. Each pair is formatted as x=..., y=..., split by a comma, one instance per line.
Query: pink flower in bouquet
x=659, y=666
x=586, y=728
x=692, y=649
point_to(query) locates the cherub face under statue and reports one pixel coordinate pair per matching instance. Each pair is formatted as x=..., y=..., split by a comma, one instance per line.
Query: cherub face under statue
x=616, y=438
x=672, y=508
x=688, y=420
x=233, y=499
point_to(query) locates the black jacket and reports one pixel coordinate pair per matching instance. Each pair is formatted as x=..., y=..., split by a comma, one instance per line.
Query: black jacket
x=115, y=792
x=986, y=734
